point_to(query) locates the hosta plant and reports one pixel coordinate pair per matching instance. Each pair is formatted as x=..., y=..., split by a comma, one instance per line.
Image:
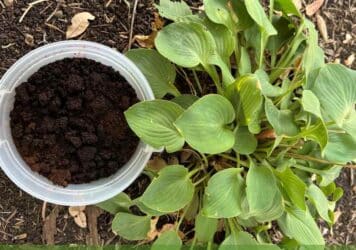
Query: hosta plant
x=269, y=138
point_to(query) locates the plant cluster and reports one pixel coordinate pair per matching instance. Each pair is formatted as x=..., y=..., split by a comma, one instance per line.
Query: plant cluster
x=281, y=121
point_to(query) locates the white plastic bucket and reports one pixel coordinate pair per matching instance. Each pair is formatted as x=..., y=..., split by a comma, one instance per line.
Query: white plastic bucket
x=16, y=168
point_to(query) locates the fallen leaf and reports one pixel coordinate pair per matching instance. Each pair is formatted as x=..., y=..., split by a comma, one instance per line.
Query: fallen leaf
x=80, y=22
x=158, y=23
x=322, y=27
x=146, y=41
x=266, y=134
x=29, y=40
x=337, y=60
x=79, y=216
x=312, y=8
x=349, y=61
x=173, y=160
x=298, y=4
x=337, y=215
x=156, y=164
x=74, y=211
x=21, y=236
x=81, y=220
x=167, y=227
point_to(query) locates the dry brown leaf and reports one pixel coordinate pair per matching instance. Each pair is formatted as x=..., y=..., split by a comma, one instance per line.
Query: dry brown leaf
x=146, y=41
x=173, y=160
x=266, y=134
x=81, y=220
x=158, y=23
x=322, y=27
x=185, y=155
x=80, y=22
x=337, y=215
x=21, y=236
x=156, y=164
x=298, y=4
x=349, y=61
x=29, y=40
x=153, y=233
x=74, y=211
x=312, y=8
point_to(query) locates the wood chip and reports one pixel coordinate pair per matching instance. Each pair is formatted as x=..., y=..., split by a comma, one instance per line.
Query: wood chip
x=93, y=238
x=312, y=8
x=49, y=229
x=29, y=40
x=348, y=38
x=80, y=22
x=20, y=237
x=9, y=3
x=78, y=213
x=349, y=61
x=322, y=27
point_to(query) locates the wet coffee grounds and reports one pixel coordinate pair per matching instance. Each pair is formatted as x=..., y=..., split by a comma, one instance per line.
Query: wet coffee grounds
x=68, y=122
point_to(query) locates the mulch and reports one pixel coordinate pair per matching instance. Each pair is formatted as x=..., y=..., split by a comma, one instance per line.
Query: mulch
x=22, y=217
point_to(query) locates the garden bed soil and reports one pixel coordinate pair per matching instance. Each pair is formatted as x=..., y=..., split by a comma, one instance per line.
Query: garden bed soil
x=68, y=121
x=21, y=216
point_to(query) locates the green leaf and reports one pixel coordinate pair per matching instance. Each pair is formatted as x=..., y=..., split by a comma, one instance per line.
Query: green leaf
x=317, y=133
x=273, y=212
x=152, y=121
x=170, y=191
x=147, y=210
x=244, y=241
x=219, y=11
x=300, y=225
x=287, y=7
x=168, y=240
x=261, y=189
x=244, y=21
x=159, y=72
x=281, y=120
x=293, y=186
x=223, y=194
x=195, y=47
x=320, y=201
x=185, y=101
x=285, y=31
x=267, y=88
x=336, y=90
x=131, y=227
x=257, y=13
x=349, y=125
x=251, y=99
x=311, y=103
x=208, y=118
x=173, y=10
x=340, y=148
x=245, y=142
x=119, y=203
x=244, y=66
x=205, y=228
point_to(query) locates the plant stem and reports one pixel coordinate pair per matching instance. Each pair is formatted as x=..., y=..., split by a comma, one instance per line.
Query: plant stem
x=183, y=74
x=201, y=180
x=181, y=218
x=196, y=78
x=228, y=157
x=271, y=9
x=310, y=158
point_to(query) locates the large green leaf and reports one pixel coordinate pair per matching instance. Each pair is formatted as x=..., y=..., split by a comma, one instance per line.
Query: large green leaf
x=173, y=10
x=273, y=212
x=152, y=121
x=245, y=141
x=251, y=100
x=317, y=133
x=287, y=7
x=170, y=191
x=267, y=88
x=257, y=13
x=185, y=101
x=320, y=201
x=220, y=11
x=187, y=44
x=244, y=21
x=311, y=103
x=204, y=124
x=119, y=203
x=244, y=241
x=336, y=90
x=131, y=227
x=244, y=65
x=293, y=186
x=340, y=148
x=261, y=189
x=205, y=228
x=168, y=240
x=147, y=210
x=281, y=120
x=159, y=72
x=223, y=194
x=329, y=175
x=300, y=225
x=349, y=124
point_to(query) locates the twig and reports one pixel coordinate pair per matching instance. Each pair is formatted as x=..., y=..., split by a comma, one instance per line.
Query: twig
x=108, y=3
x=54, y=12
x=30, y=5
x=44, y=207
x=54, y=27
x=2, y=4
x=132, y=23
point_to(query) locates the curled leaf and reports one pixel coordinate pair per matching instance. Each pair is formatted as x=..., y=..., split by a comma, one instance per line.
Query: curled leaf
x=312, y=8
x=80, y=22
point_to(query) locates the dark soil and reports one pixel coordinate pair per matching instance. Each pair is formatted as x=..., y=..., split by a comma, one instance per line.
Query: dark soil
x=68, y=122
x=111, y=27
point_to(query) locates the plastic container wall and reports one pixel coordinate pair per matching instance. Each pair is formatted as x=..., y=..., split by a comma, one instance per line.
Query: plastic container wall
x=15, y=167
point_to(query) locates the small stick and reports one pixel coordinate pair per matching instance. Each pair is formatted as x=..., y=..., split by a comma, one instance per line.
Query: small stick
x=2, y=4
x=132, y=23
x=30, y=5
x=108, y=3
x=53, y=13
x=44, y=207
x=54, y=27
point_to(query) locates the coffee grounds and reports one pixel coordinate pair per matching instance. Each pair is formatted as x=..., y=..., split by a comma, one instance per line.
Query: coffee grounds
x=68, y=122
